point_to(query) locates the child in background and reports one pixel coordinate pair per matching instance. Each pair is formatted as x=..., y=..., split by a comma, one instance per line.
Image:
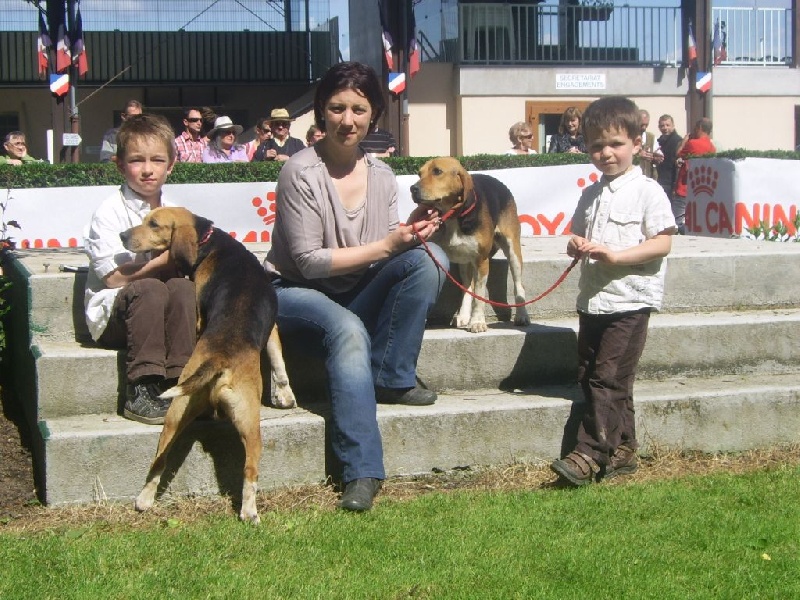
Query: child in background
x=133, y=301
x=621, y=231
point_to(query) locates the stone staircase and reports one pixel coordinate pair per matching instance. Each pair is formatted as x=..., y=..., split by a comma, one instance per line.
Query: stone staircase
x=720, y=373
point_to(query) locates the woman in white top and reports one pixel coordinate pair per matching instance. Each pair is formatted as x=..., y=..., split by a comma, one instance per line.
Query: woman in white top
x=521, y=138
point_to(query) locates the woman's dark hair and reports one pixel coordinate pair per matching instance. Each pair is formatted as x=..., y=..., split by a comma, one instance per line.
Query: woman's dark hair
x=352, y=76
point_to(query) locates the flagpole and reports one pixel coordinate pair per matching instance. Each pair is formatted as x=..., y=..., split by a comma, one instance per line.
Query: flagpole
x=74, y=117
x=404, y=150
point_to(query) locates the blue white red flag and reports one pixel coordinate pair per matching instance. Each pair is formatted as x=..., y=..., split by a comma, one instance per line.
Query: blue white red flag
x=397, y=83
x=691, y=54
x=59, y=84
x=703, y=83
x=399, y=31
x=720, y=43
x=42, y=44
x=63, y=52
x=79, y=58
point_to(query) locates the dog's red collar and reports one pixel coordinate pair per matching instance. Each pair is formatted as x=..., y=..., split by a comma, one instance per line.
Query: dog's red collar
x=206, y=237
x=464, y=213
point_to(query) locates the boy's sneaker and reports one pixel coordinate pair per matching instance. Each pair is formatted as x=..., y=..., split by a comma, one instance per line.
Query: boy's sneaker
x=623, y=462
x=143, y=404
x=576, y=468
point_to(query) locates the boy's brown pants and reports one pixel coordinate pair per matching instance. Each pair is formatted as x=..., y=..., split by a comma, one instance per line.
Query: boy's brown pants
x=156, y=322
x=609, y=348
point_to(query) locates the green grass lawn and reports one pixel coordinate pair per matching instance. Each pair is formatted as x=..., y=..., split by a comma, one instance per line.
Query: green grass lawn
x=719, y=536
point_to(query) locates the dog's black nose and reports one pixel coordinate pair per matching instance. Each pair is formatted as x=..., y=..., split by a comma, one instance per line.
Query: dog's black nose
x=415, y=193
x=125, y=236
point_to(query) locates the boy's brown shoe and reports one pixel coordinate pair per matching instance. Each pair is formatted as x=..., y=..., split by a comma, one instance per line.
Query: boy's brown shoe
x=576, y=468
x=623, y=462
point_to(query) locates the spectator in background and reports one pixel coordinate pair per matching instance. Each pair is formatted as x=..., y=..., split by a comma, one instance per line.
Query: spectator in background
x=569, y=137
x=190, y=143
x=379, y=142
x=108, y=147
x=646, y=158
x=281, y=146
x=263, y=133
x=697, y=144
x=222, y=146
x=209, y=118
x=17, y=150
x=665, y=156
x=521, y=137
x=313, y=135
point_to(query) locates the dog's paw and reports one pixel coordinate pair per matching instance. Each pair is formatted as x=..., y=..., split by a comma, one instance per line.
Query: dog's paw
x=249, y=517
x=462, y=322
x=522, y=318
x=283, y=396
x=144, y=501
x=478, y=327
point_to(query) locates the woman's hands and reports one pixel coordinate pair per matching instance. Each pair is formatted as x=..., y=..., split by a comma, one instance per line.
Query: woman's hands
x=423, y=223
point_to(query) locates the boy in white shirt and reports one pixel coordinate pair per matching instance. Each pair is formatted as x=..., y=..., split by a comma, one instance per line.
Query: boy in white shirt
x=139, y=302
x=622, y=231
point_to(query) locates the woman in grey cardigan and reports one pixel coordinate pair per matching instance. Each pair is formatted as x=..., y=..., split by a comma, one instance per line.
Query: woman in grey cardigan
x=353, y=285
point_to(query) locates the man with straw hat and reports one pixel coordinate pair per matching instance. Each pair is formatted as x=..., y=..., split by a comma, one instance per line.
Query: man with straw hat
x=281, y=146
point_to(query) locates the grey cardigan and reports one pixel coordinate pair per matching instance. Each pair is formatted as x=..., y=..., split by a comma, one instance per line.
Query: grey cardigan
x=310, y=221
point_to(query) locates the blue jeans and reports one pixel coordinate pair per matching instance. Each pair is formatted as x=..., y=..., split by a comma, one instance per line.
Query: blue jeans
x=367, y=337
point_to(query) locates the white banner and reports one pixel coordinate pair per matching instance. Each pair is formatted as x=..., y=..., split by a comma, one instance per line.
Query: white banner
x=56, y=217
x=725, y=198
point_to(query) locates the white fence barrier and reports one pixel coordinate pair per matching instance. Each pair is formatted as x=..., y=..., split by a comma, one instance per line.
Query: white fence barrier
x=724, y=198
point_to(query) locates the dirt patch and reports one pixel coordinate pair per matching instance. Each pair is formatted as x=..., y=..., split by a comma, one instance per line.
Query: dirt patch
x=17, y=489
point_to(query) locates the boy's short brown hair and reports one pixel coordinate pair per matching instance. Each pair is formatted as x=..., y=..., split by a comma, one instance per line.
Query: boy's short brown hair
x=145, y=125
x=613, y=112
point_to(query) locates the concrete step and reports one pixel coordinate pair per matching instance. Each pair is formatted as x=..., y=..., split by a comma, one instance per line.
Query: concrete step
x=100, y=457
x=72, y=380
x=704, y=274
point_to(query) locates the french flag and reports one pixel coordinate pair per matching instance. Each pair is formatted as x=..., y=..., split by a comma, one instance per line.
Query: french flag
x=42, y=44
x=59, y=84
x=692, y=48
x=63, y=54
x=79, y=57
x=397, y=83
x=703, y=83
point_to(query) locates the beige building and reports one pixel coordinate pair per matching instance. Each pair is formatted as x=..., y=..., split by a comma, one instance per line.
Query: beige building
x=490, y=66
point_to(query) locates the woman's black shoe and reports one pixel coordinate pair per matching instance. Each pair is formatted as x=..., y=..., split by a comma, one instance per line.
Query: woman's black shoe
x=359, y=494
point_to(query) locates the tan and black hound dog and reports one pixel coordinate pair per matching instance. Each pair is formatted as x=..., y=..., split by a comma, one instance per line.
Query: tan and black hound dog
x=483, y=218
x=236, y=307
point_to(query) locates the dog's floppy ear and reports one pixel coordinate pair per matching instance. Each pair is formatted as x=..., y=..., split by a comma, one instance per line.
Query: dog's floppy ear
x=183, y=248
x=466, y=184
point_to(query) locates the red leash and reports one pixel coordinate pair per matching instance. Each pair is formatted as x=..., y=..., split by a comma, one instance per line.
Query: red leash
x=439, y=265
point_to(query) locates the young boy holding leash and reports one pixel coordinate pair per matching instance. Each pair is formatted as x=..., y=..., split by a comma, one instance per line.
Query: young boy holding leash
x=621, y=232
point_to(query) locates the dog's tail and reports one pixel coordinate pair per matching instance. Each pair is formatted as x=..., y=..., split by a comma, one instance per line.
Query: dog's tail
x=208, y=372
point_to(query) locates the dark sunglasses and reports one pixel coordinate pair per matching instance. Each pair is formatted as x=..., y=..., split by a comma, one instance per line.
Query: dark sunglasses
x=527, y=137
x=194, y=120
x=279, y=124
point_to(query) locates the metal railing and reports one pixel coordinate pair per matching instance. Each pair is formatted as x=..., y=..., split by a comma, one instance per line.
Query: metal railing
x=527, y=33
x=750, y=36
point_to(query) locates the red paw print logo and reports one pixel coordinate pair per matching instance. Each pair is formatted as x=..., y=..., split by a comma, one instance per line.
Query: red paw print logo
x=582, y=183
x=266, y=210
x=702, y=180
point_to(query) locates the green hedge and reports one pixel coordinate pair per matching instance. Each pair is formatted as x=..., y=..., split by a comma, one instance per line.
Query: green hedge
x=39, y=175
